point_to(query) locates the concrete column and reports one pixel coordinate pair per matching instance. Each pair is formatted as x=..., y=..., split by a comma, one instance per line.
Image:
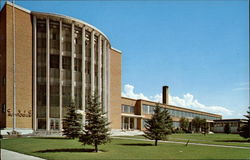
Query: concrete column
x=92, y=63
x=60, y=76
x=34, y=75
x=72, y=62
x=83, y=73
x=99, y=65
x=104, y=84
x=47, y=76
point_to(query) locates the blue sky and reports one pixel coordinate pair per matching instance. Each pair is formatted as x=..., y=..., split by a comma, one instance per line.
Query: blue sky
x=200, y=49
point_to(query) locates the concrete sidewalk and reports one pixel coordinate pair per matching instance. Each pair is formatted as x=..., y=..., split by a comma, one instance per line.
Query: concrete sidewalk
x=10, y=155
x=198, y=144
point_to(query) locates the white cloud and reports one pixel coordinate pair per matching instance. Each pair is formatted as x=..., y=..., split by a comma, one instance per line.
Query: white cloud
x=156, y=98
x=242, y=87
x=129, y=92
x=188, y=101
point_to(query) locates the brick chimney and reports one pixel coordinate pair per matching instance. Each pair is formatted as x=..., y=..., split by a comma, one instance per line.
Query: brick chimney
x=165, y=95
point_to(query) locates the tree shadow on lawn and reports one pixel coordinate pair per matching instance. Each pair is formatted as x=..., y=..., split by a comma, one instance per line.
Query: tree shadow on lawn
x=70, y=150
x=57, y=138
x=136, y=144
x=239, y=141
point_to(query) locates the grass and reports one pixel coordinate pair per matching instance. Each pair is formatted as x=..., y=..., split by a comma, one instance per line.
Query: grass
x=62, y=149
x=220, y=139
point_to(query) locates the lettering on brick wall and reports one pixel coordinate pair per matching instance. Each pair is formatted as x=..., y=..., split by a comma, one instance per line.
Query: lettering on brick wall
x=20, y=113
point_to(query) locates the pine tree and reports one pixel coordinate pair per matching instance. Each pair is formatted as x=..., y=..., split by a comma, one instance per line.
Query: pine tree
x=184, y=124
x=72, y=122
x=96, y=130
x=204, y=127
x=196, y=124
x=159, y=126
x=245, y=130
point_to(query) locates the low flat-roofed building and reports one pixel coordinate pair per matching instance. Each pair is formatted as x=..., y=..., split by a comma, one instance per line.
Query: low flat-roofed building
x=134, y=112
x=234, y=125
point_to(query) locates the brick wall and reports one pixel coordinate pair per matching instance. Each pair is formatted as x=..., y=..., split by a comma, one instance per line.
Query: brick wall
x=115, y=89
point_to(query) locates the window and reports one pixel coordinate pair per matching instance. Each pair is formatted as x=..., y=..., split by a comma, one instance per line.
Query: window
x=66, y=62
x=143, y=123
x=151, y=109
x=176, y=124
x=41, y=95
x=78, y=65
x=54, y=61
x=41, y=123
x=127, y=109
x=147, y=109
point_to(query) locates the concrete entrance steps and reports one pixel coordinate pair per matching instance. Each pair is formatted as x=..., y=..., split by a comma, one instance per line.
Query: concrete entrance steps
x=48, y=134
x=119, y=132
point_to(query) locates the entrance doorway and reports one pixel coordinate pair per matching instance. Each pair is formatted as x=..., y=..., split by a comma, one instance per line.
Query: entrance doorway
x=54, y=123
x=128, y=123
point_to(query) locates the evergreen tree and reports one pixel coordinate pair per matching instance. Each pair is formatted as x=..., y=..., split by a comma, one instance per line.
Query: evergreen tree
x=72, y=122
x=159, y=126
x=227, y=129
x=204, y=127
x=197, y=124
x=184, y=124
x=245, y=130
x=96, y=130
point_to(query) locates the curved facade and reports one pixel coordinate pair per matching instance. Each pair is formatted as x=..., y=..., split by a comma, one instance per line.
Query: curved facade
x=71, y=62
x=47, y=60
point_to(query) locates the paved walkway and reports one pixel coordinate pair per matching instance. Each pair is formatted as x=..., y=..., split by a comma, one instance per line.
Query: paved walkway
x=10, y=155
x=198, y=144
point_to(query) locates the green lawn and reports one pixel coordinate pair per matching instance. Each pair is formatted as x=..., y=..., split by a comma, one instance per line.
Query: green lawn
x=221, y=139
x=60, y=149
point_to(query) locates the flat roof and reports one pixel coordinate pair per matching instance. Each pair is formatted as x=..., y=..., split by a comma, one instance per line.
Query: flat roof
x=18, y=7
x=181, y=108
x=116, y=50
x=226, y=120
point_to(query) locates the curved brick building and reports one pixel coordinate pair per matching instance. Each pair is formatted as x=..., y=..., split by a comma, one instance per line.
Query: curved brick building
x=48, y=59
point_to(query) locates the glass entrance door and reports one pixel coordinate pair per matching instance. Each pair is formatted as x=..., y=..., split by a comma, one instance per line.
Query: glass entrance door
x=128, y=123
x=54, y=123
x=131, y=123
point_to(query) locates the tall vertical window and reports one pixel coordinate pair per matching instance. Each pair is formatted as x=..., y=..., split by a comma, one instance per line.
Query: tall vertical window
x=66, y=66
x=54, y=69
x=96, y=62
x=87, y=65
x=78, y=66
x=41, y=73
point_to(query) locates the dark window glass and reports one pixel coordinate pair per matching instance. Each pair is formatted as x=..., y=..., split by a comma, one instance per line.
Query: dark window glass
x=66, y=62
x=78, y=65
x=54, y=61
x=41, y=124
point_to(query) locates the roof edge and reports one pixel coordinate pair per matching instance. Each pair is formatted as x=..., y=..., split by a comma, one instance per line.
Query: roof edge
x=17, y=6
x=117, y=50
x=214, y=114
x=71, y=18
